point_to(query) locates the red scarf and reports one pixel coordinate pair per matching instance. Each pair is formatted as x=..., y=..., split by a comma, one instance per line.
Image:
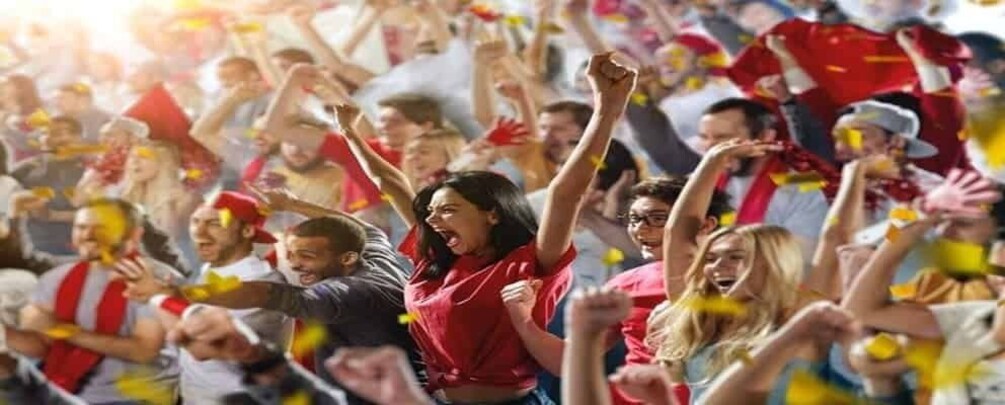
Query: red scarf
x=253, y=170
x=66, y=364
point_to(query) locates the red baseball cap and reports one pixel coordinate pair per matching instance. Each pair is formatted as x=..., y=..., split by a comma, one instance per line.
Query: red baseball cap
x=248, y=210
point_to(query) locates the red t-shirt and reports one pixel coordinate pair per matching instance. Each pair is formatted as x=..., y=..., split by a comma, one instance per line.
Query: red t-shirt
x=645, y=285
x=461, y=325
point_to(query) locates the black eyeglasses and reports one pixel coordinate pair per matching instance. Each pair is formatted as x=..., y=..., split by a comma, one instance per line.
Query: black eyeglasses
x=655, y=218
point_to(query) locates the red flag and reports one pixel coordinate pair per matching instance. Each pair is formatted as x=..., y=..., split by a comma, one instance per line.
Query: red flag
x=168, y=123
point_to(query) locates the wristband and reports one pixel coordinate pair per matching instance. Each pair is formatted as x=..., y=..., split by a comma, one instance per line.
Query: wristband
x=173, y=305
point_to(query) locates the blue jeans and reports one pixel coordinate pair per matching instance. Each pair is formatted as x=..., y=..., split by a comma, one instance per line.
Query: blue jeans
x=535, y=397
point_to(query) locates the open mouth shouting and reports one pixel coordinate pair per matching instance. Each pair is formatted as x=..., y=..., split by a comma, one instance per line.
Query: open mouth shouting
x=724, y=283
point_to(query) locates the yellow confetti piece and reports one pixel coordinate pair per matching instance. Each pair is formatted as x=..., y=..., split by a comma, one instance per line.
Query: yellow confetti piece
x=904, y=214
x=716, y=305
x=142, y=387
x=78, y=150
x=612, y=257
x=958, y=257
x=386, y=197
x=640, y=99
x=143, y=152
x=358, y=204
x=892, y=233
x=38, y=119
x=515, y=20
x=251, y=133
x=962, y=135
x=694, y=83
x=903, y=291
x=107, y=258
x=745, y=38
x=808, y=389
x=812, y=186
x=34, y=144
x=193, y=174
x=312, y=336
x=264, y=211
x=616, y=18
x=187, y=4
x=248, y=27
x=62, y=331
x=745, y=357
x=882, y=347
x=69, y=193
x=194, y=24
x=727, y=218
x=987, y=132
x=226, y=217
x=217, y=284
x=715, y=60
x=834, y=68
x=832, y=220
x=805, y=181
x=553, y=29
x=44, y=192
x=885, y=59
x=851, y=137
x=298, y=398
x=598, y=162
x=195, y=293
x=408, y=318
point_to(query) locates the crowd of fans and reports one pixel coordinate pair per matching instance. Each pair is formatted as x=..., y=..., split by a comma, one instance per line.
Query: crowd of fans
x=533, y=202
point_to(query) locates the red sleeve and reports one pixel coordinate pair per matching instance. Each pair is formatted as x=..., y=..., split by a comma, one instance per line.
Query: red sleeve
x=410, y=245
x=943, y=120
x=336, y=149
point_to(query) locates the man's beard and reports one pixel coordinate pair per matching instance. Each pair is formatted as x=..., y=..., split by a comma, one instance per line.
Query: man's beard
x=313, y=164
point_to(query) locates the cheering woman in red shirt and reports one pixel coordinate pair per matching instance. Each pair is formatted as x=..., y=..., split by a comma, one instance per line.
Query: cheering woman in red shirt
x=474, y=233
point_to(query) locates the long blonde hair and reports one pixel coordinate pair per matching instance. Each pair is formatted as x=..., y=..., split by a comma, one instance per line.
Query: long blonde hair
x=163, y=195
x=679, y=332
x=447, y=141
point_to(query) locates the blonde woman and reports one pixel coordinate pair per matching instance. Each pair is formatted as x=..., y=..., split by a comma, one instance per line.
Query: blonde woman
x=755, y=268
x=429, y=154
x=152, y=179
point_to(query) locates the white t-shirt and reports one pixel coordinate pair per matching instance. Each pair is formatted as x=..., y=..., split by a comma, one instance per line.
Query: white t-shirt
x=987, y=386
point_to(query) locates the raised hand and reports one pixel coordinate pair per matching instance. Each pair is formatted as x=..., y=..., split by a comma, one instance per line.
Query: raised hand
x=738, y=149
x=869, y=367
x=301, y=14
x=594, y=310
x=380, y=375
x=345, y=116
x=141, y=283
x=648, y=383
x=520, y=298
x=963, y=194
x=775, y=86
x=278, y=199
x=510, y=89
x=612, y=83
x=211, y=333
x=489, y=52
x=507, y=131
x=247, y=91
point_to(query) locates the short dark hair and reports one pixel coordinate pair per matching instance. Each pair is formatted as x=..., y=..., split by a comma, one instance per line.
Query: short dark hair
x=618, y=160
x=985, y=47
x=343, y=235
x=241, y=62
x=295, y=55
x=132, y=214
x=489, y=192
x=668, y=189
x=69, y=121
x=581, y=112
x=417, y=108
x=757, y=117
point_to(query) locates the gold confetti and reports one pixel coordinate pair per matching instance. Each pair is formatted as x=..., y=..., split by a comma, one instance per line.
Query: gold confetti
x=408, y=318
x=903, y=291
x=882, y=347
x=113, y=225
x=640, y=99
x=808, y=389
x=515, y=20
x=903, y=214
x=958, y=257
x=714, y=60
x=264, y=210
x=727, y=218
x=616, y=18
x=141, y=386
x=612, y=257
x=962, y=135
x=892, y=233
x=298, y=398
x=834, y=68
x=598, y=162
x=386, y=197
x=226, y=217
x=553, y=29
x=38, y=119
x=195, y=24
x=143, y=152
x=850, y=136
x=195, y=293
x=248, y=27
x=107, y=258
x=312, y=336
x=187, y=4
x=745, y=38
x=807, y=187
x=78, y=150
x=358, y=204
x=62, y=331
x=885, y=59
x=745, y=357
x=694, y=83
x=716, y=305
x=193, y=174
x=832, y=220
x=217, y=284
x=46, y=193
x=805, y=181
x=251, y=133
x=69, y=193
